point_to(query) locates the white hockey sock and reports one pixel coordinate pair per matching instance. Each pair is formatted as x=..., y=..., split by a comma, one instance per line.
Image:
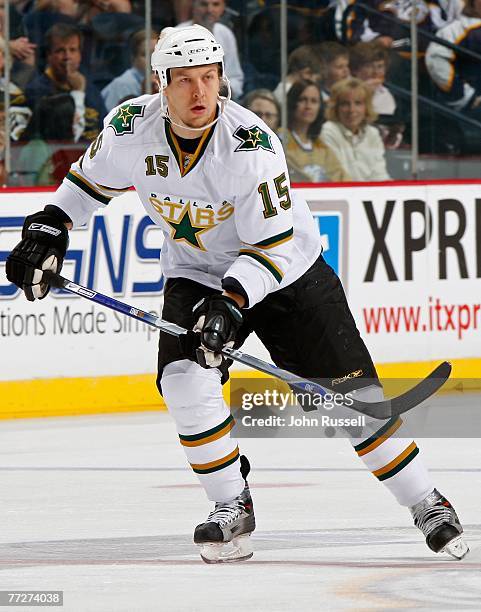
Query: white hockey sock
x=194, y=398
x=389, y=452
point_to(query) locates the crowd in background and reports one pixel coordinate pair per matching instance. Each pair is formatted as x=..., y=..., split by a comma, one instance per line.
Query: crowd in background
x=347, y=88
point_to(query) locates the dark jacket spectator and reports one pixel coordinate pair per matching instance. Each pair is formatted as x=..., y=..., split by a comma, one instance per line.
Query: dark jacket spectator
x=46, y=157
x=62, y=75
x=22, y=50
x=366, y=26
x=458, y=76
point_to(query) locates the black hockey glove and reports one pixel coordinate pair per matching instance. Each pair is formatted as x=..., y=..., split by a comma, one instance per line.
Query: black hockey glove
x=43, y=247
x=218, y=321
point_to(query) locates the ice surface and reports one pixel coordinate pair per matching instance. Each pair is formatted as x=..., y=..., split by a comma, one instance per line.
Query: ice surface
x=104, y=508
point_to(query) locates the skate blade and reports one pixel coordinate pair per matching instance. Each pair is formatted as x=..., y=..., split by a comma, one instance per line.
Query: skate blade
x=457, y=548
x=239, y=549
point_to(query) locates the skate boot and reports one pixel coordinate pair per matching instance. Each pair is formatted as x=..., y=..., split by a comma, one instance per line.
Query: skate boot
x=225, y=536
x=438, y=521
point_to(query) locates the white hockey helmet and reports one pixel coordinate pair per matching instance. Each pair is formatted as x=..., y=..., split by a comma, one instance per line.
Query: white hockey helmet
x=183, y=47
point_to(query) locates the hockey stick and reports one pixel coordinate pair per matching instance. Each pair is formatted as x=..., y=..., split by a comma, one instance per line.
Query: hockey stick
x=379, y=410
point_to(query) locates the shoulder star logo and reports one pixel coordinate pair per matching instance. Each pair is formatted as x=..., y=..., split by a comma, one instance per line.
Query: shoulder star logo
x=253, y=138
x=183, y=230
x=123, y=120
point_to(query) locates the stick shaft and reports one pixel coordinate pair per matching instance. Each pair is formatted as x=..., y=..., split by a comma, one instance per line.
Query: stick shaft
x=55, y=280
x=382, y=410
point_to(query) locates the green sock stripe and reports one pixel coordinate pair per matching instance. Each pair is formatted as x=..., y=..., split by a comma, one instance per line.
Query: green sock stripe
x=399, y=467
x=376, y=435
x=209, y=432
x=217, y=467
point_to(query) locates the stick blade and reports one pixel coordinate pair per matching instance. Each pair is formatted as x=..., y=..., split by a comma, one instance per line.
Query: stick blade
x=410, y=399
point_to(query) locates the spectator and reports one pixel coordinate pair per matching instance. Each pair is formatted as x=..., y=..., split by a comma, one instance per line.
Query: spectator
x=303, y=64
x=130, y=83
x=335, y=58
x=263, y=103
x=183, y=10
x=349, y=134
x=62, y=74
x=89, y=9
x=375, y=24
x=19, y=113
x=52, y=125
x=368, y=62
x=22, y=50
x=458, y=76
x=308, y=158
x=206, y=13
x=372, y=25
x=45, y=14
x=165, y=13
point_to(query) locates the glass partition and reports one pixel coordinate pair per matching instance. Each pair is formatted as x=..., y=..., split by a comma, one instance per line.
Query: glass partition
x=333, y=79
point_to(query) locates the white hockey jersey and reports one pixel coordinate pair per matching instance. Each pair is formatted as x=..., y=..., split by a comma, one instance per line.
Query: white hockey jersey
x=225, y=210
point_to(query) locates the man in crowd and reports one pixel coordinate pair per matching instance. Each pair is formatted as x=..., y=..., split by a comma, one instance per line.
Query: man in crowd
x=62, y=74
x=130, y=83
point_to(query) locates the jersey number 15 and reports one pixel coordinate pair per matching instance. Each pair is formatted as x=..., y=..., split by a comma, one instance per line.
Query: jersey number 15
x=282, y=192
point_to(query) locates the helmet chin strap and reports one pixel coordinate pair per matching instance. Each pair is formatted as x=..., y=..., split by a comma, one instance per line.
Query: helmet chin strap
x=222, y=101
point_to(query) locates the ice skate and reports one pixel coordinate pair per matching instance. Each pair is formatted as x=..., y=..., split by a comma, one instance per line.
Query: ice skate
x=225, y=536
x=438, y=521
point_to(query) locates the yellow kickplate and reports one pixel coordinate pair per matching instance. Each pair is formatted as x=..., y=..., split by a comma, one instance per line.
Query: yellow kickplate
x=104, y=394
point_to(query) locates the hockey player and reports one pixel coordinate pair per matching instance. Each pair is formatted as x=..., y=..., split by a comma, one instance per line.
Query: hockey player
x=241, y=254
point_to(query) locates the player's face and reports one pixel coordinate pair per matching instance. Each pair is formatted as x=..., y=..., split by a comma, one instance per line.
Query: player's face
x=192, y=94
x=308, y=106
x=338, y=70
x=65, y=55
x=351, y=109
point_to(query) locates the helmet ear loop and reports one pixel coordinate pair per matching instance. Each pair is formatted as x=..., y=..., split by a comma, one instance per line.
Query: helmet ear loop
x=164, y=108
x=224, y=82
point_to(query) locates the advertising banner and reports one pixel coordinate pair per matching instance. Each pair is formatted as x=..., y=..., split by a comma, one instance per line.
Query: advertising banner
x=409, y=257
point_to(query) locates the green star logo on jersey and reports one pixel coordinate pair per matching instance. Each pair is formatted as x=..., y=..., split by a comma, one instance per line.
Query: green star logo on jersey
x=123, y=120
x=184, y=230
x=253, y=138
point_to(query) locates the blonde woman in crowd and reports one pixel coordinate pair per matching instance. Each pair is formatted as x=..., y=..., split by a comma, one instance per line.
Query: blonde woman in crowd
x=349, y=133
x=308, y=158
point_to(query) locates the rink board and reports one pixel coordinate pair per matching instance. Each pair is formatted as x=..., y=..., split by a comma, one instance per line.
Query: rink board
x=409, y=256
